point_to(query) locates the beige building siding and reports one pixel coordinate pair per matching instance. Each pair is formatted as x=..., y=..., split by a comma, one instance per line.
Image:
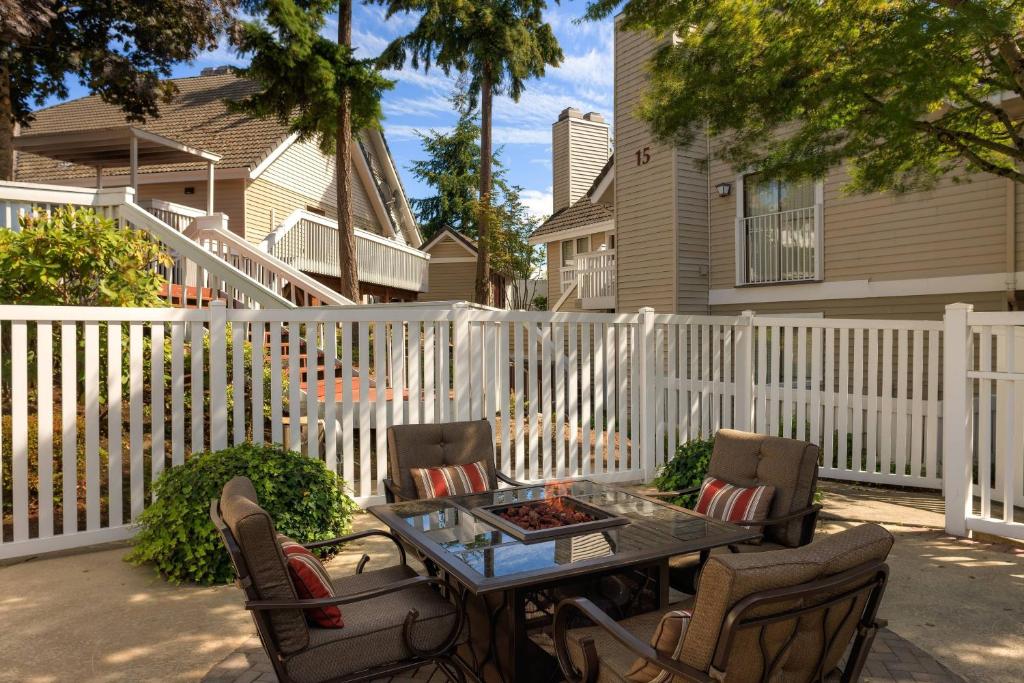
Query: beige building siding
x=450, y=281
x=307, y=172
x=928, y=307
x=449, y=248
x=267, y=204
x=228, y=197
x=954, y=229
x=692, y=217
x=646, y=244
x=559, y=166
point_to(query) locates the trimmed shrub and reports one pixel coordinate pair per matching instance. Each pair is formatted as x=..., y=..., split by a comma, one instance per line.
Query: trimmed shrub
x=686, y=469
x=302, y=496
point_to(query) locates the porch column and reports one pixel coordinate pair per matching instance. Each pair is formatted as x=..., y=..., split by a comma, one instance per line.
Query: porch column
x=99, y=177
x=134, y=163
x=209, y=188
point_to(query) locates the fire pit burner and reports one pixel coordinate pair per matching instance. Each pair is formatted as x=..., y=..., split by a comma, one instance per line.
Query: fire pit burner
x=537, y=520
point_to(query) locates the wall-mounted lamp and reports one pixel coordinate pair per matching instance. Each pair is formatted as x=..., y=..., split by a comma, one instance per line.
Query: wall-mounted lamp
x=724, y=189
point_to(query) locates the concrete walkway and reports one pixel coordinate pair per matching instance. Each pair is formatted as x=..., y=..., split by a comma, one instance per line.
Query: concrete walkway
x=92, y=617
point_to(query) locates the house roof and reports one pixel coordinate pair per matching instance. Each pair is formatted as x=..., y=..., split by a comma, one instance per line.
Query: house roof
x=456, y=235
x=584, y=212
x=197, y=116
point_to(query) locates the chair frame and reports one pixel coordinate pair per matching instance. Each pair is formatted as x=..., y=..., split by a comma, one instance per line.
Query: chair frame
x=443, y=655
x=870, y=579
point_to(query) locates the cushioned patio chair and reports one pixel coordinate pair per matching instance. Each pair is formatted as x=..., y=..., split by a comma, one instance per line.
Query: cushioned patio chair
x=745, y=459
x=438, y=445
x=394, y=619
x=784, y=615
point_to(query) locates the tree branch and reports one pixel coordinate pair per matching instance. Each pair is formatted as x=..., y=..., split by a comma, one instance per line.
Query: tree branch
x=950, y=138
x=964, y=136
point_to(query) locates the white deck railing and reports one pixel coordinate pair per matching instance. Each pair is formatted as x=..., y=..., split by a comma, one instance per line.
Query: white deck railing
x=595, y=274
x=780, y=247
x=309, y=242
x=178, y=216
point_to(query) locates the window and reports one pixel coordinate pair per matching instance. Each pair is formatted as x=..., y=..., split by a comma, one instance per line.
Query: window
x=778, y=230
x=568, y=253
x=316, y=209
x=611, y=241
x=583, y=245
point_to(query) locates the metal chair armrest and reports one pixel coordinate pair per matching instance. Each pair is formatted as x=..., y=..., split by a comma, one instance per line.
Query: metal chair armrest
x=390, y=495
x=508, y=480
x=627, y=639
x=355, y=537
x=782, y=519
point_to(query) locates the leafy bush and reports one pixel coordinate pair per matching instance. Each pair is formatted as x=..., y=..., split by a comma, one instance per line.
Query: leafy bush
x=686, y=469
x=302, y=496
x=76, y=257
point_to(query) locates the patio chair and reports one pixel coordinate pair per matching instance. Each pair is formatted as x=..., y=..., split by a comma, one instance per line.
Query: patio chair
x=745, y=459
x=784, y=615
x=437, y=445
x=394, y=619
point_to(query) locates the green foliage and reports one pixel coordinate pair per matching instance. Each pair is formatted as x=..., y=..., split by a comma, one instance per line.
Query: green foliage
x=120, y=50
x=540, y=302
x=495, y=44
x=303, y=74
x=686, y=469
x=452, y=169
x=302, y=496
x=906, y=91
x=76, y=257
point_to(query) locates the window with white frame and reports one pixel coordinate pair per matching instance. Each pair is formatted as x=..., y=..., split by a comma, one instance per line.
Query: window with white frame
x=778, y=230
x=568, y=253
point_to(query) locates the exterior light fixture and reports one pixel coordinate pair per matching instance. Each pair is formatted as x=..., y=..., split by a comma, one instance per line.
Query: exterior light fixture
x=724, y=189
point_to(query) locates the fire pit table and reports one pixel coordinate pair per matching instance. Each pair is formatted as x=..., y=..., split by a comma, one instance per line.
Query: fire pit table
x=512, y=553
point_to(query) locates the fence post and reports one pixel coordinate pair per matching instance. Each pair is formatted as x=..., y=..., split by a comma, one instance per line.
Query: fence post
x=460, y=359
x=743, y=373
x=218, y=376
x=957, y=455
x=648, y=388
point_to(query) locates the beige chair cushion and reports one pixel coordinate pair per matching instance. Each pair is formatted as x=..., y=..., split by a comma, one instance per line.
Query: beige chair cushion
x=727, y=579
x=254, y=531
x=668, y=641
x=373, y=629
x=437, y=445
x=789, y=465
x=616, y=661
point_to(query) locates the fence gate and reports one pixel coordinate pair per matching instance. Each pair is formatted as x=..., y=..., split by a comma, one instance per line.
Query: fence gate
x=984, y=398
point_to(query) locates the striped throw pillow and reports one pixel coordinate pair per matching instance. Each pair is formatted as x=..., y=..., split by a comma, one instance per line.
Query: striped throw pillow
x=721, y=500
x=311, y=581
x=453, y=480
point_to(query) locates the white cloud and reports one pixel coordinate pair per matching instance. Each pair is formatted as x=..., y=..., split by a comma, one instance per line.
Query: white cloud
x=503, y=135
x=541, y=161
x=537, y=202
x=368, y=44
x=594, y=67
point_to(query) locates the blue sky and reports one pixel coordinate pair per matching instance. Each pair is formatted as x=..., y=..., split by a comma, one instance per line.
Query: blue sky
x=419, y=100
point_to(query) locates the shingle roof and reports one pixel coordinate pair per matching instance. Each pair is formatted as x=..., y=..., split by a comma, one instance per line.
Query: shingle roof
x=197, y=116
x=583, y=212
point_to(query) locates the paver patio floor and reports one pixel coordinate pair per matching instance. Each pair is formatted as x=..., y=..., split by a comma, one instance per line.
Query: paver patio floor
x=91, y=617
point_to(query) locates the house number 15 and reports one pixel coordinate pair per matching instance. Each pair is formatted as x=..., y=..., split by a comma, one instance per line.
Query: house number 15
x=643, y=156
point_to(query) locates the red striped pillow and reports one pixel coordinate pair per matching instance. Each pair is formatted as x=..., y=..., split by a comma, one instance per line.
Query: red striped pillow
x=311, y=581
x=453, y=480
x=721, y=500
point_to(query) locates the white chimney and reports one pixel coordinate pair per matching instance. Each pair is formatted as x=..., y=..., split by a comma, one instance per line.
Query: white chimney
x=579, y=150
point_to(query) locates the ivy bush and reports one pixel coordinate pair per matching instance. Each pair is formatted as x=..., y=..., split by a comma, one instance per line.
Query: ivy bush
x=302, y=496
x=686, y=469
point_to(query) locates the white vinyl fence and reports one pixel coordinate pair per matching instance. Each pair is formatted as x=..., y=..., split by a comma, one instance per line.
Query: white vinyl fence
x=97, y=402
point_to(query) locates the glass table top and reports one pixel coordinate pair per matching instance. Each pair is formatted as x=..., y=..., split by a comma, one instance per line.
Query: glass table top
x=453, y=532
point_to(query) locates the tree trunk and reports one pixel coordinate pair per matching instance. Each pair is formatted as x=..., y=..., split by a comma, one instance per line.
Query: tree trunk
x=6, y=125
x=349, y=280
x=483, y=266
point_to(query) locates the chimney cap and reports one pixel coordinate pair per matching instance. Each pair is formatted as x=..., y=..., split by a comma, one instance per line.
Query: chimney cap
x=216, y=70
x=594, y=116
x=570, y=113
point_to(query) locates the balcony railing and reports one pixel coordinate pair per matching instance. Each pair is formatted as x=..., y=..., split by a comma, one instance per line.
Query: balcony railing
x=593, y=273
x=780, y=247
x=309, y=242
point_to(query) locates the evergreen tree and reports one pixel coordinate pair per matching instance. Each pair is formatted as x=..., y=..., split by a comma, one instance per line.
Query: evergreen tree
x=905, y=91
x=318, y=88
x=452, y=169
x=498, y=45
x=120, y=50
